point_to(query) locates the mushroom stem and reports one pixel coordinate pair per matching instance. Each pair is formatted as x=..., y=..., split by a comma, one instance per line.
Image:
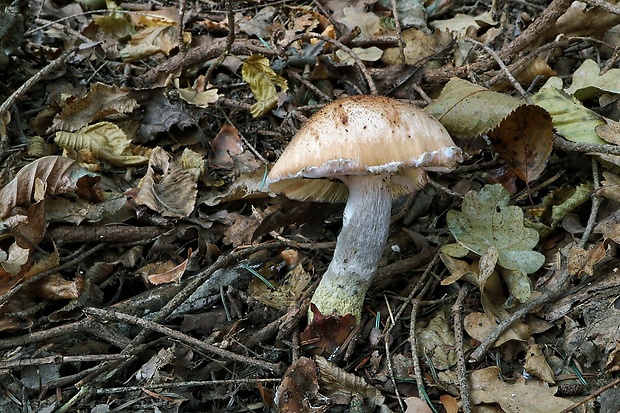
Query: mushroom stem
x=366, y=223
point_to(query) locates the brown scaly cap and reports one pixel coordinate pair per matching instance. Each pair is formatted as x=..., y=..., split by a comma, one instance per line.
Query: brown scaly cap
x=362, y=135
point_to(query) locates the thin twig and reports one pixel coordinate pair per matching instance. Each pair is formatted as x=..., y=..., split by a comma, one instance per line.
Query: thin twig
x=230, y=39
x=118, y=316
x=184, y=384
x=347, y=50
x=33, y=80
x=388, y=358
x=596, y=204
x=546, y=297
x=461, y=368
x=399, y=32
x=583, y=147
x=413, y=342
x=502, y=66
x=592, y=395
x=608, y=7
x=69, y=264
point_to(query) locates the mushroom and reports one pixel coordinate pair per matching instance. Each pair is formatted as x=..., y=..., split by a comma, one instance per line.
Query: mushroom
x=363, y=150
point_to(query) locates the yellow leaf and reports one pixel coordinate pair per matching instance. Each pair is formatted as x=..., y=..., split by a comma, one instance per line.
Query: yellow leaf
x=263, y=81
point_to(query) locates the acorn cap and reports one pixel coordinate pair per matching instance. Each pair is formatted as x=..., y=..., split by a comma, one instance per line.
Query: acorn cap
x=362, y=135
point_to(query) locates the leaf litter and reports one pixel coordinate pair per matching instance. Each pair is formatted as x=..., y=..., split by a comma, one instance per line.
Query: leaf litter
x=135, y=220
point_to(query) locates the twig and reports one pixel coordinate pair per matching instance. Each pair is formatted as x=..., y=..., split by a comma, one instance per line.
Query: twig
x=608, y=7
x=533, y=33
x=592, y=395
x=583, y=147
x=230, y=39
x=5, y=297
x=399, y=33
x=222, y=262
x=502, y=66
x=33, y=80
x=181, y=31
x=596, y=204
x=39, y=361
x=354, y=56
x=117, y=316
x=461, y=368
x=546, y=297
x=322, y=95
x=413, y=342
x=184, y=384
x=388, y=357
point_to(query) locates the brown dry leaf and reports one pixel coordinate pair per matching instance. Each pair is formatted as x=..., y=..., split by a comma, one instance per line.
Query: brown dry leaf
x=225, y=145
x=104, y=141
x=99, y=103
x=417, y=405
x=55, y=175
x=521, y=133
x=459, y=269
x=536, y=364
x=193, y=96
x=286, y=293
x=56, y=287
x=533, y=396
x=449, y=403
x=298, y=386
x=171, y=191
x=582, y=261
x=325, y=334
x=158, y=35
x=171, y=275
x=368, y=22
x=528, y=72
x=479, y=325
x=418, y=46
x=524, y=140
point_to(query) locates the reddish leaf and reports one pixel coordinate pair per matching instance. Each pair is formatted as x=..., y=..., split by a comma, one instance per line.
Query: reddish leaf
x=524, y=140
x=325, y=334
x=298, y=385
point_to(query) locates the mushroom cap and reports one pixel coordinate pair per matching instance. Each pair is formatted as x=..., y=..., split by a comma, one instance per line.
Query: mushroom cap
x=362, y=135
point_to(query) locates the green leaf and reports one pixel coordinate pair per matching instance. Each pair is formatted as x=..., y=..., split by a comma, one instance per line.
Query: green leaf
x=263, y=81
x=571, y=119
x=486, y=223
x=588, y=82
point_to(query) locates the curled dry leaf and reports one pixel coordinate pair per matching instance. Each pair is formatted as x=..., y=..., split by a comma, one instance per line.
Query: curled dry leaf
x=104, y=141
x=57, y=175
x=263, y=81
x=100, y=102
x=536, y=364
x=522, y=134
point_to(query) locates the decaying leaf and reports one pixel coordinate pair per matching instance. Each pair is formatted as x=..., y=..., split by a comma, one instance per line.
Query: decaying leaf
x=487, y=221
x=171, y=273
x=522, y=134
x=263, y=81
x=533, y=396
x=299, y=385
x=104, y=141
x=55, y=175
x=536, y=364
x=158, y=34
x=581, y=261
x=167, y=188
x=100, y=102
x=200, y=98
x=571, y=119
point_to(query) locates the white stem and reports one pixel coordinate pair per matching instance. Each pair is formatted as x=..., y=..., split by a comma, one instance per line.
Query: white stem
x=365, y=227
